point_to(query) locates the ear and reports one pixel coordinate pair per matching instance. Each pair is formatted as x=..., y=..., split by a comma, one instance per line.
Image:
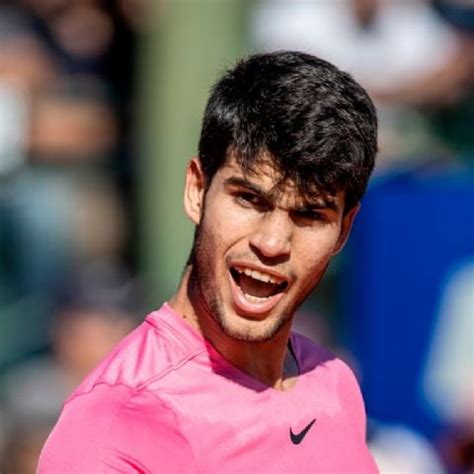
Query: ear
x=346, y=226
x=194, y=190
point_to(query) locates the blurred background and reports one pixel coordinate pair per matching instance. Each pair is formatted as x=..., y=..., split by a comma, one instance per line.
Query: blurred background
x=100, y=109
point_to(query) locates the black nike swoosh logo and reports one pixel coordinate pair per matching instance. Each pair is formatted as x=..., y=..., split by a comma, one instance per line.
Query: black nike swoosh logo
x=297, y=438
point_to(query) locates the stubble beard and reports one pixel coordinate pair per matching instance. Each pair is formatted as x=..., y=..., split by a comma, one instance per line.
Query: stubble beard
x=206, y=290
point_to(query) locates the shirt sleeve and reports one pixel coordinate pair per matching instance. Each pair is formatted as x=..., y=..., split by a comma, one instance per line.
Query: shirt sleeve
x=113, y=429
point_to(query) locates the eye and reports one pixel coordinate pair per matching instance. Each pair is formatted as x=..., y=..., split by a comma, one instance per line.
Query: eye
x=247, y=199
x=309, y=216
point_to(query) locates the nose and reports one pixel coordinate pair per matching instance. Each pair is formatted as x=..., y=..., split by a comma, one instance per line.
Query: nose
x=272, y=237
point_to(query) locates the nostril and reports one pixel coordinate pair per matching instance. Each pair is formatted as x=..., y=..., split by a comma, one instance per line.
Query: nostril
x=269, y=258
x=272, y=246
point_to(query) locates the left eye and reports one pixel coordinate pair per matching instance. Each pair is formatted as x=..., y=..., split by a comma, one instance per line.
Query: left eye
x=251, y=201
x=309, y=215
x=248, y=198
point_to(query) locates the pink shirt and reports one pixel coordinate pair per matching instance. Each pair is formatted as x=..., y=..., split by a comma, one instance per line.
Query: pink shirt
x=165, y=401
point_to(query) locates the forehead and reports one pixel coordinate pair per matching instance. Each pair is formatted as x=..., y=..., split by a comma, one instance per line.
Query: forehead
x=264, y=176
x=263, y=172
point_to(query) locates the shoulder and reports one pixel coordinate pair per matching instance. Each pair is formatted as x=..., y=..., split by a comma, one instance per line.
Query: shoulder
x=116, y=418
x=149, y=352
x=118, y=427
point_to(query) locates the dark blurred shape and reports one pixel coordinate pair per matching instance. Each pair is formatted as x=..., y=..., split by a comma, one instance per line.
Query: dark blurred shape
x=95, y=308
x=137, y=12
x=25, y=60
x=453, y=122
x=101, y=287
x=23, y=447
x=66, y=202
x=460, y=13
x=84, y=30
x=365, y=11
x=66, y=164
x=73, y=122
x=457, y=448
x=415, y=63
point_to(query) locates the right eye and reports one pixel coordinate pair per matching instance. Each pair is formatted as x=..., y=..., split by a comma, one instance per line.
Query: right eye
x=250, y=201
x=247, y=198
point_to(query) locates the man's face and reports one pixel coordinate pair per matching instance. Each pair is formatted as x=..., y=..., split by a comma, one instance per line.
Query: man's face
x=259, y=249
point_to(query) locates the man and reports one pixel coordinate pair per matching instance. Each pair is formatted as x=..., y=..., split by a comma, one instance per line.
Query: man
x=215, y=381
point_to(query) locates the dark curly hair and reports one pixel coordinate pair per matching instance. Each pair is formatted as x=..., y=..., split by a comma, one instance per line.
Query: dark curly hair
x=315, y=122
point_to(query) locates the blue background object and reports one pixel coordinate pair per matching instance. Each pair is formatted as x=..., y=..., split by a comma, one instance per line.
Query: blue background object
x=413, y=229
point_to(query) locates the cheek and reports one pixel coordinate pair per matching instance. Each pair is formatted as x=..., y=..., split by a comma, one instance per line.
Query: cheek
x=219, y=233
x=315, y=251
x=230, y=224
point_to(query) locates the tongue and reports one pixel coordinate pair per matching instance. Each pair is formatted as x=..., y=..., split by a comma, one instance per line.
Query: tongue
x=254, y=287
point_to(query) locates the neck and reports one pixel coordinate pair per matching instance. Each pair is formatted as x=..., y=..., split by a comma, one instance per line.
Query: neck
x=270, y=362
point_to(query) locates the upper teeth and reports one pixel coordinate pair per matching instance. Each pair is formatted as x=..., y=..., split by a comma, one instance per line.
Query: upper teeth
x=265, y=277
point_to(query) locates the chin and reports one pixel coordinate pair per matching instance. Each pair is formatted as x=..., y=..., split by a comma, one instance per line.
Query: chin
x=242, y=329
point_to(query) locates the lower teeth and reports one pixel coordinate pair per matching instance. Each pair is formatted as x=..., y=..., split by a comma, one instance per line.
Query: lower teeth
x=256, y=299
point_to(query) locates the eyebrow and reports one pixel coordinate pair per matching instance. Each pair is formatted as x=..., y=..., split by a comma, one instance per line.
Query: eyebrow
x=244, y=183
x=323, y=202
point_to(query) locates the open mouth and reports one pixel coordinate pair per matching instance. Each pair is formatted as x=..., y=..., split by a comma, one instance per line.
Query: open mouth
x=257, y=286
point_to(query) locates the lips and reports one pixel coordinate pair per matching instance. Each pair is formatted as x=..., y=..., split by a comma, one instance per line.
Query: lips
x=256, y=291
